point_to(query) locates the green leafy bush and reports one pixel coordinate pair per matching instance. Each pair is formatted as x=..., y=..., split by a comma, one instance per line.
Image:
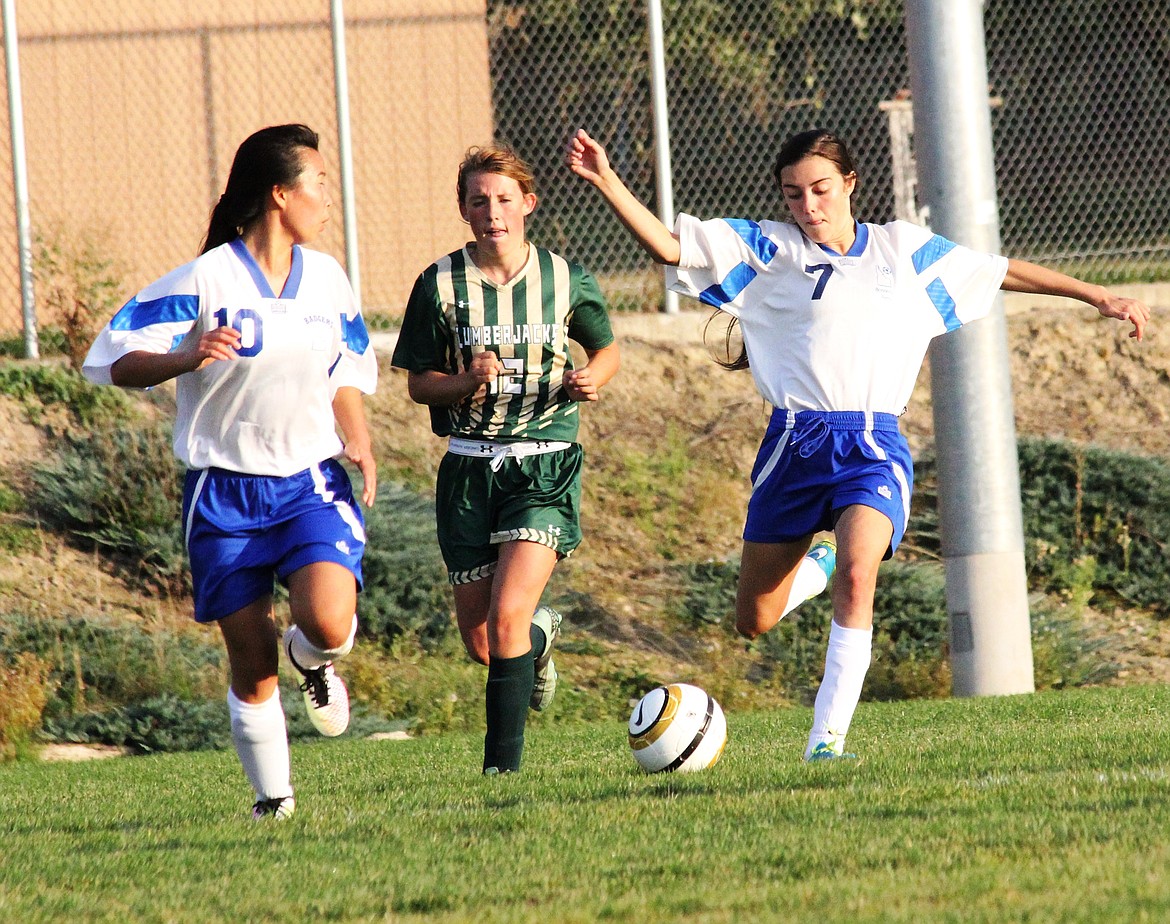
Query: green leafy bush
x=160, y=723
x=1084, y=508
x=910, y=644
x=41, y=385
x=122, y=491
x=167, y=722
x=406, y=592
x=95, y=664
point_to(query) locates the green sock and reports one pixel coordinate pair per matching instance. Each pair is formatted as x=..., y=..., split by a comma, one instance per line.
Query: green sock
x=509, y=687
x=538, y=638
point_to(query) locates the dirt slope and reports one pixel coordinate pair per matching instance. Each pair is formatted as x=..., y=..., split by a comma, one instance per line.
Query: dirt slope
x=669, y=448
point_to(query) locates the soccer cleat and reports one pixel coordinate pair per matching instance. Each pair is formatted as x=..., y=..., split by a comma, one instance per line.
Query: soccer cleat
x=326, y=697
x=496, y=771
x=829, y=750
x=544, y=687
x=824, y=553
x=278, y=809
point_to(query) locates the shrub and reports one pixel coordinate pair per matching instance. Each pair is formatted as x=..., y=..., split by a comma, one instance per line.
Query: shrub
x=95, y=664
x=41, y=385
x=80, y=288
x=910, y=646
x=433, y=692
x=1084, y=507
x=160, y=723
x=26, y=683
x=121, y=490
x=406, y=593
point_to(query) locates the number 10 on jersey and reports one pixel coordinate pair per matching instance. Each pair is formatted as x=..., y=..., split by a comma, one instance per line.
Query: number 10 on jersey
x=251, y=328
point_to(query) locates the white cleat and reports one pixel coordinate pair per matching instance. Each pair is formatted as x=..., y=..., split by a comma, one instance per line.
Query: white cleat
x=326, y=698
x=277, y=809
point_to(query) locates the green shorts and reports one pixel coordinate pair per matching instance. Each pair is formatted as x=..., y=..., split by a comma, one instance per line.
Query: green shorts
x=534, y=499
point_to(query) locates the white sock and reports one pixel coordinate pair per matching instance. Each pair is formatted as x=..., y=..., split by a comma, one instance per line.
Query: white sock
x=261, y=740
x=846, y=662
x=308, y=655
x=810, y=580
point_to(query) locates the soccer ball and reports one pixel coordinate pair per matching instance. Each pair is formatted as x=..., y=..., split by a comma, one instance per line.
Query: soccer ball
x=677, y=728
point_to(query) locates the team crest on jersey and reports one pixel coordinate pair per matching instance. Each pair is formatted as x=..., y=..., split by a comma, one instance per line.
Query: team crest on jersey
x=885, y=281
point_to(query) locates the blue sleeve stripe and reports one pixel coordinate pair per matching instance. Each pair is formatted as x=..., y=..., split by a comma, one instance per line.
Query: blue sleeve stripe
x=335, y=362
x=357, y=338
x=944, y=304
x=761, y=245
x=169, y=309
x=726, y=291
x=931, y=252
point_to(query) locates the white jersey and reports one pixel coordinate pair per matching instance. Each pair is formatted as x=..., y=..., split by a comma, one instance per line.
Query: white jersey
x=269, y=411
x=835, y=332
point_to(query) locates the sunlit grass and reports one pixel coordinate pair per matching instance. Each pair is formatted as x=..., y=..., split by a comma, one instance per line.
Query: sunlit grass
x=1043, y=808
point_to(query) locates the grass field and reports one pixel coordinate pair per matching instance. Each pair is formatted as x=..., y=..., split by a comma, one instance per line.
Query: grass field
x=1051, y=807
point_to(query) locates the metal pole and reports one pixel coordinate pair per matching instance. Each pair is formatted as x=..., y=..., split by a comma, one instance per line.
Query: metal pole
x=344, y=148
x=20, y=182
x=979, y=490
x=662, y=172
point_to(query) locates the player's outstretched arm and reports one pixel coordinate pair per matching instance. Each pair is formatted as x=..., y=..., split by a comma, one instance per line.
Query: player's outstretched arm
x=1023, y=276
x=585, y=384
x=588, y=160
x=143, y=369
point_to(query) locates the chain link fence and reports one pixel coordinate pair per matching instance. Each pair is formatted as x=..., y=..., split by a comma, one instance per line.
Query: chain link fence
x=1081, y=93
x=133, y=110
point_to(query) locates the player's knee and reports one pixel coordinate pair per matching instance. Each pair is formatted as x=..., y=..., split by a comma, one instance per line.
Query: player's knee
x=476, y=645
x=749, y=626
x=338, y=642
x=854, y=585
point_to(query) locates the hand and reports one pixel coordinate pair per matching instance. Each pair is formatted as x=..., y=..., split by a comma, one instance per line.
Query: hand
x=220, y=343
x=580, y=386
x=485, y=366
x=361, y=454
x=1126, y=309
x=587, y=158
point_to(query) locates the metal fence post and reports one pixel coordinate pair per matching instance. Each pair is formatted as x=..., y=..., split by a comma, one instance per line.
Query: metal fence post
x=979, y=492
x=20, y=182
x=662, y=172
x=344, y=146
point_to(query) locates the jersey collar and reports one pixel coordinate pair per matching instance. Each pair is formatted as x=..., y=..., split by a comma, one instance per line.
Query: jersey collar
x=291, y=285
x=860, y=239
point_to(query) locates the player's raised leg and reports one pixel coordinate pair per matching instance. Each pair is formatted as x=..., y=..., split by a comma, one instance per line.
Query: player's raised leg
x=769, y=588
x=257, y=719
x=322, y=598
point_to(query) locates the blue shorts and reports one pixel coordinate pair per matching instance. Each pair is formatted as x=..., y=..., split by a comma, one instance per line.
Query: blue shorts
x=242, y=530
x=813, y=464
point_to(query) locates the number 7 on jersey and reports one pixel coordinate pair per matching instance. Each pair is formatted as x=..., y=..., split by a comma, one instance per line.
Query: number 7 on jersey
x=825, y=270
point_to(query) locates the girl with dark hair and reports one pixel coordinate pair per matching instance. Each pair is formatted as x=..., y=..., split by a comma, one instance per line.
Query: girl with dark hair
x=836, y=317
x=270, y=357
x=485, y=343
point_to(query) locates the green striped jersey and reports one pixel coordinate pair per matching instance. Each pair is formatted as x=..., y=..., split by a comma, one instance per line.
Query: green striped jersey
x=455, y=311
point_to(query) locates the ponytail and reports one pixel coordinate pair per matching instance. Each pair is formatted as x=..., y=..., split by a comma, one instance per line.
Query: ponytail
x=270, y=157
